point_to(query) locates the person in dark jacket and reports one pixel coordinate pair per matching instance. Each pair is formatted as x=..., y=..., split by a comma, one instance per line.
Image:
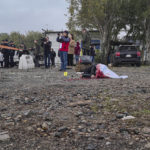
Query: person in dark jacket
x=36, y=53
x=86, y=42
x=6, y=54
x=64, y=46
x=53, y=55
x=92, y=53
x=90, y=72
x=12, y=53
x=47, y=51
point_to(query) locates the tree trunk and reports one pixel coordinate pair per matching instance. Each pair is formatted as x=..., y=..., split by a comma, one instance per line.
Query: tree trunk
x=105, y=44
x=148, y=45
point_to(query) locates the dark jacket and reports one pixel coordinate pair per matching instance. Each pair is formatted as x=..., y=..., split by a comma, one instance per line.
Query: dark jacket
x=64, y=43
x=77, y=49
x=86, y=40
x=47, y=47
x=37, y=49
x=92, y=51
x=53, y=54
x=89, y=72
x=6, y=52
x=12, y=52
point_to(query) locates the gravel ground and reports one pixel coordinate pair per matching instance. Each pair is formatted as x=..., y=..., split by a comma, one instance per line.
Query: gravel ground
x=43, y=110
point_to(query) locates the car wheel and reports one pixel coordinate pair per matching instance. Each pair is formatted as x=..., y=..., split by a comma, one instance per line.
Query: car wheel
x=132, y=65
x=115, y=64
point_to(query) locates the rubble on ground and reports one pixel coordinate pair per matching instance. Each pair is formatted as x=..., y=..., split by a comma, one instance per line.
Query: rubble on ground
x=41, y=109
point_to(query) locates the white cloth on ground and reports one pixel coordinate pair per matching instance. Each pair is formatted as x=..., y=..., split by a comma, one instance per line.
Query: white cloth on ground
x=109, y=73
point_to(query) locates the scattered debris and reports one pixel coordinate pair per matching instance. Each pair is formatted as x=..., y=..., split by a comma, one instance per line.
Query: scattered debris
x=146, y=130
x=128, y=118
x=4, y=136
x=147, y=146
x=45, y=126
x=50, y=113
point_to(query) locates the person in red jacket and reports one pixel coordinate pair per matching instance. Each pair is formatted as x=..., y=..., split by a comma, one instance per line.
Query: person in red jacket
x=77, y=52
x=63, y=51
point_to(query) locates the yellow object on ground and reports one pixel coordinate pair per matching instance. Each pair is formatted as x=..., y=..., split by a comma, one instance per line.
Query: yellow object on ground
x=65, y=74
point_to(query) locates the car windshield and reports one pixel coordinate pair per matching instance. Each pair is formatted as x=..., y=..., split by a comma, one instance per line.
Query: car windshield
x=127, y=48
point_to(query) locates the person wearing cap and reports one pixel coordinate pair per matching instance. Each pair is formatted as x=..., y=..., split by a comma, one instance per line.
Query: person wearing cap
x=6, y=54
x=12, y=53
x=64, y=46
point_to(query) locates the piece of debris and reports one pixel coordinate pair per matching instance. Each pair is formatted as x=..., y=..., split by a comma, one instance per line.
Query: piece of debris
x=62, y=129
x=4, y=136
x=128, y=118
x=147, y=146
x=146, y=130
x=45, y=126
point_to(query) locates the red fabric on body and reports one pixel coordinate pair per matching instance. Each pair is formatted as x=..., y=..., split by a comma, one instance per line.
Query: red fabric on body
x=99, y=73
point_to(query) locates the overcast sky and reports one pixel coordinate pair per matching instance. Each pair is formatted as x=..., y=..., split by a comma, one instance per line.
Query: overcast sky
x=25, y=15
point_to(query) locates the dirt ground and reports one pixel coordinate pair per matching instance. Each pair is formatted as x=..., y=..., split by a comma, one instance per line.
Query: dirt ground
x=43, y=110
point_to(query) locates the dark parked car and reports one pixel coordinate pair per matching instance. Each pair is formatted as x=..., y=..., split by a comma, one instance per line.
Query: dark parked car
x=126, y=54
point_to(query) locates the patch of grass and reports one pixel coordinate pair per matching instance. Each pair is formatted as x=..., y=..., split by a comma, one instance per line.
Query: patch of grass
x=143, y=112
x=108, y=105
x=95, y=108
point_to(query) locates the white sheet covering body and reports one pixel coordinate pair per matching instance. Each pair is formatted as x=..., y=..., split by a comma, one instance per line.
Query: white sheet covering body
x=106, y=72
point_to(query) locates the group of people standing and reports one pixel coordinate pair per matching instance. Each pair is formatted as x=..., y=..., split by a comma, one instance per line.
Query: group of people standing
x=7, y=56
x=69, y=48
